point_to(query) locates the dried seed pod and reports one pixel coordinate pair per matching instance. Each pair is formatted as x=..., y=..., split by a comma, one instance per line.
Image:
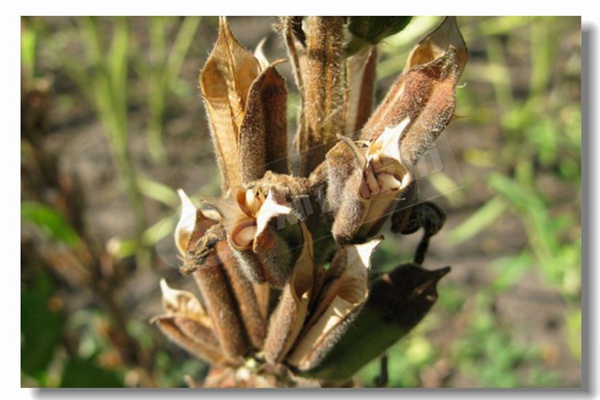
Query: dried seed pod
x=363, y=200
x=245, y=298
x=263, y=133
x=424, y=93
x=396, y=304
x=265, y=245
x=195, y=345
x=337, y=306
x=323, y=91
x=360, y=90
x=288, y=318
x=224, y=83
x=187, y=324
x=221, y=306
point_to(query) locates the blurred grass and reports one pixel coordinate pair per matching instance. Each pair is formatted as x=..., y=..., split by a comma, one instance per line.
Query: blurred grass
x=522, y=93
x=98, y=55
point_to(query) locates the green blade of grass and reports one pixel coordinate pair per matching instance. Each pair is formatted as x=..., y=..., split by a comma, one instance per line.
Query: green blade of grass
x=49, y=221
x=484, y=217
x=181, y=46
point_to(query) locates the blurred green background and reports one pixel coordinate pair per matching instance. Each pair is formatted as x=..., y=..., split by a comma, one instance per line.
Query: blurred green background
x=112, y=124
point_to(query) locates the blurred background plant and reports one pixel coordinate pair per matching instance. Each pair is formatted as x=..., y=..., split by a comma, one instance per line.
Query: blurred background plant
x=112, y=125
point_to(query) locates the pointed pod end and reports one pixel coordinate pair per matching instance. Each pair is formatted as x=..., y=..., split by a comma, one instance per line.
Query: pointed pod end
x=186, y=223
x=362, y=252
x=447, y=35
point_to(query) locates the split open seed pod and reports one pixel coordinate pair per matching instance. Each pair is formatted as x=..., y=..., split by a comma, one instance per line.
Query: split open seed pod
x=337, y=306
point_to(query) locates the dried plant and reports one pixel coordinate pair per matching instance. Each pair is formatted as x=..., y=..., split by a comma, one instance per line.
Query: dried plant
x=282, y=259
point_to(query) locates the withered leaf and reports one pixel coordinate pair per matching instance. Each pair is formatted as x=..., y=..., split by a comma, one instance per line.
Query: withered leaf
x=224, y=83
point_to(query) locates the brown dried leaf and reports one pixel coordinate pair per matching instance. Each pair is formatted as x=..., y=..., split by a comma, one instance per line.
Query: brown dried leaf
x=224, y=83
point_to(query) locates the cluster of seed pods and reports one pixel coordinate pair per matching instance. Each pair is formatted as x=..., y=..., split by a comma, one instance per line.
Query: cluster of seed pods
x=283, y=258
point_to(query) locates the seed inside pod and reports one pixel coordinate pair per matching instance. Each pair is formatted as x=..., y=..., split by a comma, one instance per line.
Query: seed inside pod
x=243, y=234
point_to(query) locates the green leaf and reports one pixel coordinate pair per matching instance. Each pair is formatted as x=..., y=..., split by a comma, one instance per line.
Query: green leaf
x=50, y=221
x=158, y=191
x=485, y=216
x=40, y=327
x=80, y=373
